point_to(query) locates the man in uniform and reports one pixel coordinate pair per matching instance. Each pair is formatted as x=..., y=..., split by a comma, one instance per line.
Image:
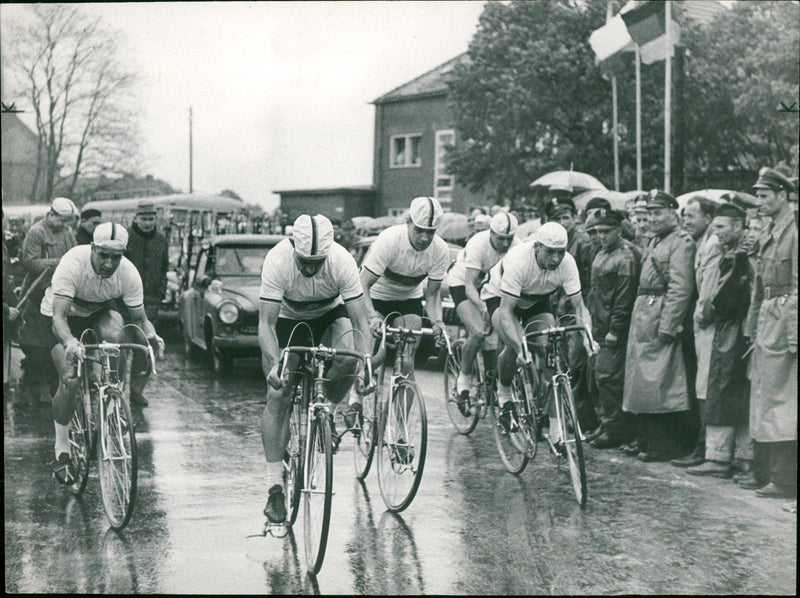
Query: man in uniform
x=46, y=242
x=610, y=302
x=656, y=386
x=90, y=218
x=722, y=309
x=697, y=216
x=148, y=250
x=772, y=326
x=307, y=279
x=400, y=259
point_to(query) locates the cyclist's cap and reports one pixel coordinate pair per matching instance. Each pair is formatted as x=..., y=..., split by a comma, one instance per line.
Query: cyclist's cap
x=504, y=224
x=62, y=206
x=312, y=236
x=425, y=212
x=110, y=235
x=553, y=235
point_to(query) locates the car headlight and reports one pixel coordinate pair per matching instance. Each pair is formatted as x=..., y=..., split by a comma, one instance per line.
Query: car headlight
x=228, y=313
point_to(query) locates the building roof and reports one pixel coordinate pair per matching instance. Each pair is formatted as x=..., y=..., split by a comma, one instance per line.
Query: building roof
x=357, y=190
x=432, y=83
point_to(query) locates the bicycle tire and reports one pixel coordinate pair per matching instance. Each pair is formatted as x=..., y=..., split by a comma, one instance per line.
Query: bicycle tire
x=401, y=457
x=365, y=438
x=317, y=491
x=464, y=424
x=573, y=444
x=80, y=438
x=293, y=464
x=517, y=448
x=116, y=459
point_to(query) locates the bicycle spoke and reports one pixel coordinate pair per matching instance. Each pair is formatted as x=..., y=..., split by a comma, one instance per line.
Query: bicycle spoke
x=117, y=460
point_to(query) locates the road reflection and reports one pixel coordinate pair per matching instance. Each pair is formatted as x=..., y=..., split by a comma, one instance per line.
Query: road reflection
x=288, y=574
x=119, y=567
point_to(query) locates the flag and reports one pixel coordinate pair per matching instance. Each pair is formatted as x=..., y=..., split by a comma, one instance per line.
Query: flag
x=656, y=49
x=609, y=43
x=644, y=19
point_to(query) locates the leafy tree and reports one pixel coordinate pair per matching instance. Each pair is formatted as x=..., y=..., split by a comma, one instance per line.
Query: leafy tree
x=81, y=90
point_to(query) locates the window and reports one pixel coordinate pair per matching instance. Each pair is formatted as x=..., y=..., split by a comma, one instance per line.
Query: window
x=443, y=182
x=405, y=151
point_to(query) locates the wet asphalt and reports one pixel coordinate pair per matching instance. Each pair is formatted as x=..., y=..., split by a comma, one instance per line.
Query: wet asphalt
x=472, y=529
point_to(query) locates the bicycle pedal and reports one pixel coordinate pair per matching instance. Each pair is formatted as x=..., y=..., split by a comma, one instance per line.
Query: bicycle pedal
x=276, y=530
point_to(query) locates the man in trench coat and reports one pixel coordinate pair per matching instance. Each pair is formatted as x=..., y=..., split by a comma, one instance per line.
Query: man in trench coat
x=656, y=388
x=772, y=325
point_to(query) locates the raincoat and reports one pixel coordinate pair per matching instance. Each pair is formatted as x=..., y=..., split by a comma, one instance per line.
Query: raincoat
x=655, y=375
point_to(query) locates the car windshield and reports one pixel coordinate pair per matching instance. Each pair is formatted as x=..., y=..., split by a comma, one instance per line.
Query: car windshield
x=239, y=261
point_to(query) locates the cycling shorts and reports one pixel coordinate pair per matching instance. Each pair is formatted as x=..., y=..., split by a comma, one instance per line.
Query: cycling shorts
x=302, y=337
x=458, y=294
x=402, y=306
x=540, y=307
x=77, y=325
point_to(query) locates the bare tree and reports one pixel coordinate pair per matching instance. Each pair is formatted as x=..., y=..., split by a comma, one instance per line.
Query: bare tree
x=81, y=89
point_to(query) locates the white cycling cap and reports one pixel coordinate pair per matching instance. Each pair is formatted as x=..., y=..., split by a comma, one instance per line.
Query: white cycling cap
x=110, y=235
x=425, y=212
x=63, y=206
x=504, y=224
x=552, y=235
x=312, y=236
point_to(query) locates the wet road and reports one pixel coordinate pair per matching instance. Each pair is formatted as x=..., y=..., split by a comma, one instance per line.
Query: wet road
x=473, y=528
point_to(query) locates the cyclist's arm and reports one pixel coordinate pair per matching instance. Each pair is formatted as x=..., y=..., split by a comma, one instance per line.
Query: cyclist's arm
x=61, y=307
x=267, y=339
x=508, y=327
x=367, y=280
x=471, y=279
x=581, y=312
x=357, y=311
x=139, y=317
x=433, y=300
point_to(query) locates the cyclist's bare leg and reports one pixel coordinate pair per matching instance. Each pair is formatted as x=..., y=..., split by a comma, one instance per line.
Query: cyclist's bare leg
x=473, y=321
x=275, y=422
x=342, y=371
x=64, y=399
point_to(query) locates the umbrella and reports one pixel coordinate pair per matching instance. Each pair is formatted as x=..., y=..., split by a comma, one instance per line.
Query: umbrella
x=568, y=179
x=454, y=227
x=712, y=194
x=617, y=199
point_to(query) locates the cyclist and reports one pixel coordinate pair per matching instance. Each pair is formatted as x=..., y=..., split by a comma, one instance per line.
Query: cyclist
x=313, y=280
x=473, y=263
x=83, y=293
x=400, y=259
x=520, y=286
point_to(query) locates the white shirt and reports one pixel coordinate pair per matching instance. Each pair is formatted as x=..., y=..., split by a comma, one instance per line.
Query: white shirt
x=304, y=298
x=76, y=279
x=479, y=254
x=518, y=274
x=401, y=268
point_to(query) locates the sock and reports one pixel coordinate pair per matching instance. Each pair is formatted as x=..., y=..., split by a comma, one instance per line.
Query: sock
x=462, y=382
x=62, y=438
x=503, y=394
x=555, y=430
x=274, y=474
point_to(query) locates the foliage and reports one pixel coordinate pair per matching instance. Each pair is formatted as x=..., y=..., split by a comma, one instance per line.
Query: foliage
x=72, y=70
x=231, y=194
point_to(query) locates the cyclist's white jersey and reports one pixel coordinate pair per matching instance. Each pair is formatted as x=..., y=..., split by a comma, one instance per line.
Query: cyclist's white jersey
x=477, y=255
x=519, y=275
x=75, y=278
x=400, y=268
x=306, y=298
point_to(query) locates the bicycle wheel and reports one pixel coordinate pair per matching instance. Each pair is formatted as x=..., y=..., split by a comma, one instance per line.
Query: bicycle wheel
x=116, y=459
x=571, y=433
x=402, y=446
x=317, y=491
x=80, y=437
x=464, y=424
x=364, y=439
x=293, y=464
x=517, y=446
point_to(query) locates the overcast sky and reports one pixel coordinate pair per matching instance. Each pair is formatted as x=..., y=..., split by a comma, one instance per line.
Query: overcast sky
x=280, y=91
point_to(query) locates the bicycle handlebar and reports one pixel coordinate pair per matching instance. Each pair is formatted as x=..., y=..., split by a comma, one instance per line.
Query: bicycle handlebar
x=414, y=332
x=556, y=330
x=105, y=346
x=326, y=353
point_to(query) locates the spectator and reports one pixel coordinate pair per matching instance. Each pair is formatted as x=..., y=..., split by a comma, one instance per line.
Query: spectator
x=722, y=309
x=90, y=218
x=148, y=250
x=772, y=326
x=697, y=216
x=10, y=312
x=615, y=272
x=641, y=222
x=656, y=388
x=45, y=243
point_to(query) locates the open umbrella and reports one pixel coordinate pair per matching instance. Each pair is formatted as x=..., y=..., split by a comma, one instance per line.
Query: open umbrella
x=568, y=179
x=712, y=194
x=454, y=227
x=617, y=199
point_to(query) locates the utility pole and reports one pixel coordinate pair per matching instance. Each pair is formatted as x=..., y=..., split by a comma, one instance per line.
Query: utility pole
x=191, y=180
x=668, y=100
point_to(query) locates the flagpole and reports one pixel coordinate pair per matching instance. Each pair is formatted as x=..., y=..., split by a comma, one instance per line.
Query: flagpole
x=638, y=119
x=668, y=96
x=616, y=134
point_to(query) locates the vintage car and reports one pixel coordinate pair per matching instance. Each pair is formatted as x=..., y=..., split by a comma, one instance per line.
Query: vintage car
x=219, y=308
